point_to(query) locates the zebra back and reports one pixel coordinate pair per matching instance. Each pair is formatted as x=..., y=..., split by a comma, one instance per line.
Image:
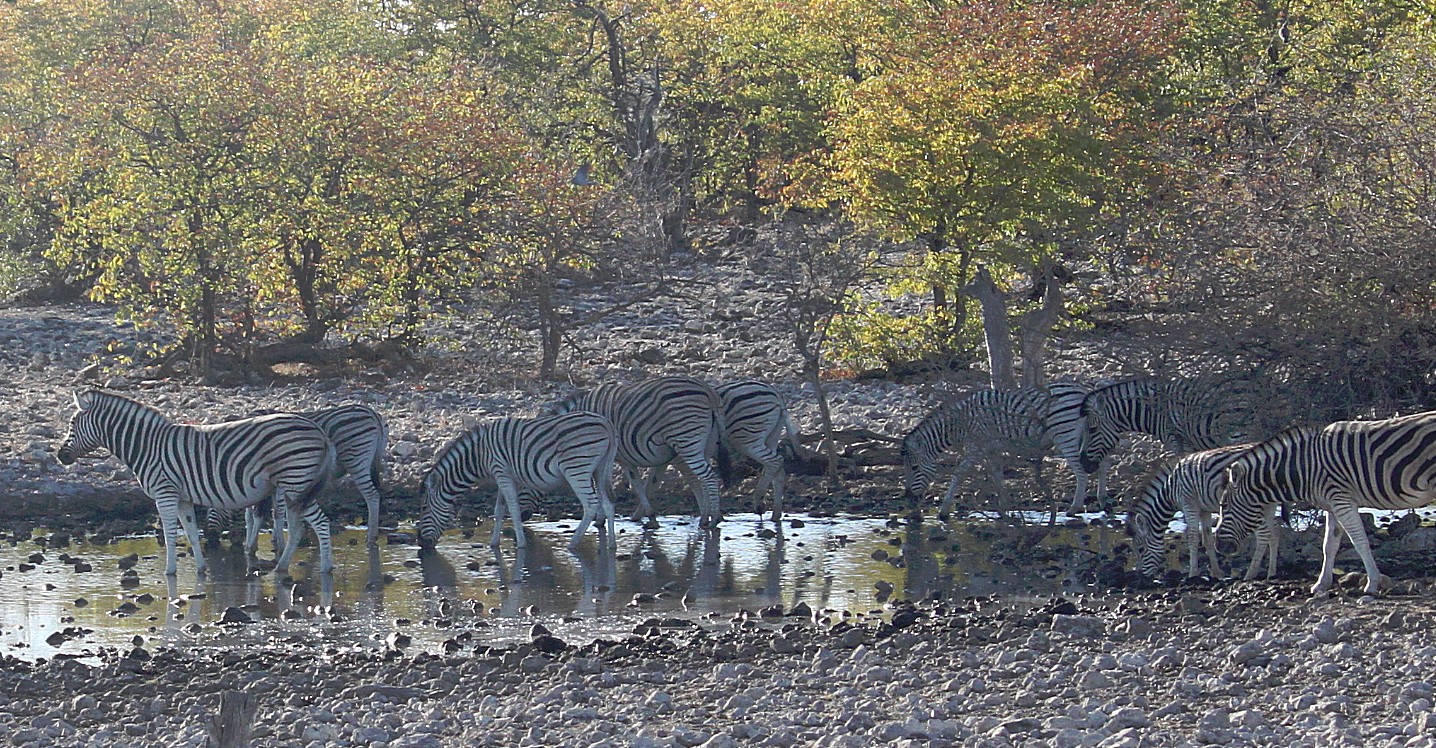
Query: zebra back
x=534, y=454
x=1194, y=480
x=657, y=418
x=1185, y=414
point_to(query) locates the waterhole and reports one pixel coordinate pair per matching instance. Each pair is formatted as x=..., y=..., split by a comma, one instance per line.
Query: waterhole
x=79, y=600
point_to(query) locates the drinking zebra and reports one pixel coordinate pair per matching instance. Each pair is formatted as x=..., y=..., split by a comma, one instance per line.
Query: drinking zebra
x=660, y=421
x=1189, y=485
x=984, y=423
x=1388, y=464
x=231, y=465
x=1185, y=414
x=525, y=455
x=360, y=439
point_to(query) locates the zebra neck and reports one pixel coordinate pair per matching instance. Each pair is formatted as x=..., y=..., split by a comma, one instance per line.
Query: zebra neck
x=135, y=437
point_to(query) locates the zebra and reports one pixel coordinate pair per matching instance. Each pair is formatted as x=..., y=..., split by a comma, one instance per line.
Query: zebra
x=1189, y=484
x=668, y=419
x=360, y=439
x=229, y=465
x=755, y=420
x=1388, y=464
x=1027, y=421
x=1067, y=430
x=525, y=455
x=1187, y=415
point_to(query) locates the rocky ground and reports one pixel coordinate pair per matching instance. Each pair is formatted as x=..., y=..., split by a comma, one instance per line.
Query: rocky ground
x=1241, y=665
x=1246, y=664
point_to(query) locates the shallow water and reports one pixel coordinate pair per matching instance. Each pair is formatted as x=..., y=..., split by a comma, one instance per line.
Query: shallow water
x=466, y=593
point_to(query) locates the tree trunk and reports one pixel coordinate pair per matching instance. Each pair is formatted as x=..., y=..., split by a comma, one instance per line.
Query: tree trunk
x=1037, y=325
x=996, y=328
x=231, y=727
x=550, y=331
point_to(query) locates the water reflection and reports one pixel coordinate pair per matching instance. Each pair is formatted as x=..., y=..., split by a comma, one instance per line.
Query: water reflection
x=378, y=595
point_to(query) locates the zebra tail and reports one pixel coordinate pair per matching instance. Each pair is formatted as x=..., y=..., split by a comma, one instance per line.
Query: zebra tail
x=376, y=466
x=791, y=449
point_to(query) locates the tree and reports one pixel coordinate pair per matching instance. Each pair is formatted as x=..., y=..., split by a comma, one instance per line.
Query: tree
x=995, y=136
x=818, y=267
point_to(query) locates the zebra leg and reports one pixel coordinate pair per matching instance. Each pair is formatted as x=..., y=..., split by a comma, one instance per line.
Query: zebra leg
x=696, y=468
x=1189, y=534
x=1261, y=546
x=585, y=489
x=167, y=504
x=191, y=531
x=778, y=482
x=314, y=516
x=371, y=500
x=1330, y=545
x=1209, y=542
x=1079, y=476
x=510, y=494
x=279, y=521
x=1273, y=539
x=500, y=510
x=640, y=484
x=251, y=531
x=944, y=509
x=1350, y=520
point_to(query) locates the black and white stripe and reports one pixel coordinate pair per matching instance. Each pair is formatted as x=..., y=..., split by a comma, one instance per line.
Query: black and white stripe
x=1187, y=415
x=1388, y=464
x=230, y=465
x=669, y=419
x=360, y=439
x=755, y=421
x=525, y=455
x=1029, y=422
x=1189, y=485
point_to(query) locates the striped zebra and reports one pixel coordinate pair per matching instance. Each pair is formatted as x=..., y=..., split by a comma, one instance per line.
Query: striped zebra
x=979, y=425
x=231, y=465
x=1388, y=464
x=525, y=456
x=668, y=419
x=1189, y=485
x=755, y=421
x=360, y=439
x=1067, y=430
x=1187, y=415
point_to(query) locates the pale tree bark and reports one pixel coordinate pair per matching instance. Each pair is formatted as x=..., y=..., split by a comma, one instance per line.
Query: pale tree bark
x=1037, y=324
x=996, y=327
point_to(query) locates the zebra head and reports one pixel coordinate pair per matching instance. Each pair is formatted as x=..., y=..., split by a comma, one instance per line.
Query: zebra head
x=1241, y=501
x=85, y=435
x=918, y=468
x=437, y=513
x=1149, y=541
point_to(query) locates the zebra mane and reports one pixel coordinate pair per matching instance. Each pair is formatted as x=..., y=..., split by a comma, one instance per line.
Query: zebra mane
x=104, y=396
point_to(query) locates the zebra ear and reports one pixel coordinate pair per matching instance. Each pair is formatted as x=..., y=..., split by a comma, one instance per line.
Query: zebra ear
x=84, y=399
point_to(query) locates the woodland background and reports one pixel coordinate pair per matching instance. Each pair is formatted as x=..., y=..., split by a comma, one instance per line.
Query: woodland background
x=1243, y=185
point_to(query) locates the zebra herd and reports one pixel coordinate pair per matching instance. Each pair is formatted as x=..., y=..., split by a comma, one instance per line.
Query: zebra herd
x=285, y=458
